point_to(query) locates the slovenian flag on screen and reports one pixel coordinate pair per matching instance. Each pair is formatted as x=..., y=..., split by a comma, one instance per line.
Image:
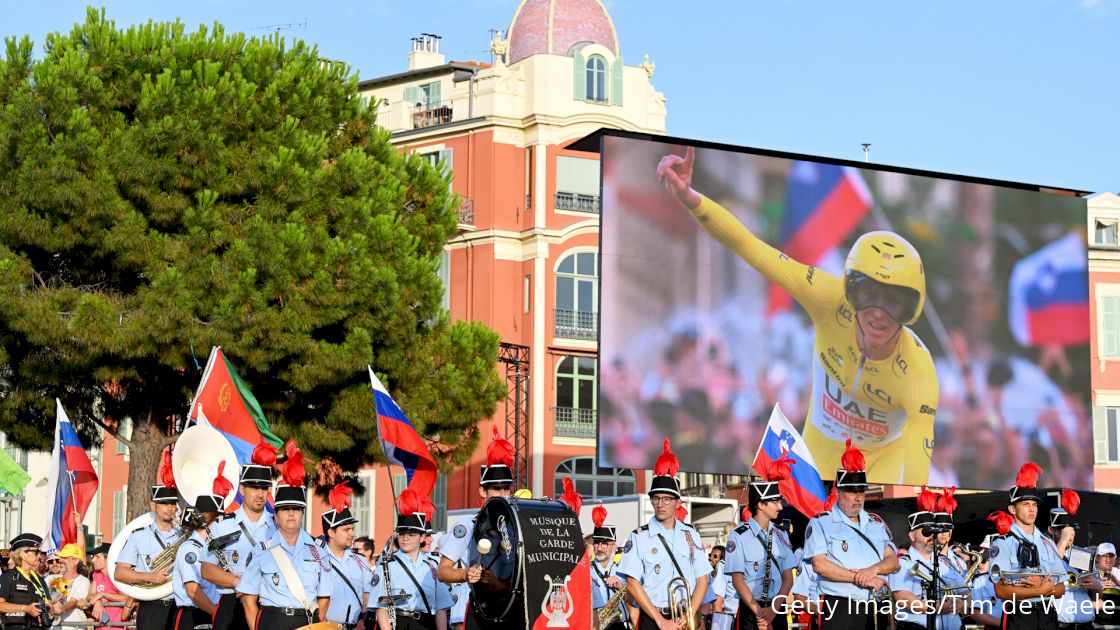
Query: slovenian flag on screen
x=804, y=489
x=400, y=442
x=824, y=204
x=232, y=409
x=1049, y=295
x=71, y=483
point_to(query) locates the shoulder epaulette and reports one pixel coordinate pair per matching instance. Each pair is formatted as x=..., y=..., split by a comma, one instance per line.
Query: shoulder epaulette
x=742, y=529
x=643, y=528
x=195, y=542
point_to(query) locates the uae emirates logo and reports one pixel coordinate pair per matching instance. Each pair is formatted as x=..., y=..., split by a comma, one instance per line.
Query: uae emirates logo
x=225, y=392
x=557, y=605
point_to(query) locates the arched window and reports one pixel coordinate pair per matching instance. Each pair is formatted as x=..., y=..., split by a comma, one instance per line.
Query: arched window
x=592, y=481
x=596, y=79
x=577, y=295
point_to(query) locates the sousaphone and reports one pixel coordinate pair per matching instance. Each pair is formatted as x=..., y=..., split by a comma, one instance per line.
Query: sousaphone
x=198, y=451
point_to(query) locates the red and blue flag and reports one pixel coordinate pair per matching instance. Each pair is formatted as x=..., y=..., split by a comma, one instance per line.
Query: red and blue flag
x=400, y=442
x=804, y=489
x=824, y=203
x=71, y=483
x=1049, y=295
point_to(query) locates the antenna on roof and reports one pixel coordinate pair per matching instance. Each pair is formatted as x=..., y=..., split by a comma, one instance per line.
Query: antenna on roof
x=282, y=27
x=494, y=32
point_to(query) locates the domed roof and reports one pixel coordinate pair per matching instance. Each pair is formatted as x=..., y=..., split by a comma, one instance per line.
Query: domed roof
x=555, y=26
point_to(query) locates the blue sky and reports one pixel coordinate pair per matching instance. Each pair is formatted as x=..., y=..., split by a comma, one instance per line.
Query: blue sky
x=1008, y=89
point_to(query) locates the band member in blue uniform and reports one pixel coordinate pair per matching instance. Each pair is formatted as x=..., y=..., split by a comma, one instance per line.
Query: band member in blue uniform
x=194, y=596
x=1075, y=608
x=349, y=575
x=285, y=587
x=134, y=565
x=852, y=553
x=911, y=587
x=406, y=585
x=664, y=550
x=1022, y=547
x=251, y=528
x=24, y=597
x=759, y=555
x=604, y=571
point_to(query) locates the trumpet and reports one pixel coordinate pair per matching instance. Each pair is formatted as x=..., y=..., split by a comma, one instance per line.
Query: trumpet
x=1019, y=578
x=680, y=601
x=916, y=571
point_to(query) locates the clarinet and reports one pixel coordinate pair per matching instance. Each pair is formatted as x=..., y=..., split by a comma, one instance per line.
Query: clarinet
x=386, y=573
x=766, y=576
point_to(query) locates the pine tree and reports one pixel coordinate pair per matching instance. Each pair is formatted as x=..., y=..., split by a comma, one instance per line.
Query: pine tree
x=163, y=191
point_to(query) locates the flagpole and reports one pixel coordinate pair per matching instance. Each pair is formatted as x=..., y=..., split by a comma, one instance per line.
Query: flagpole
x=74, y=500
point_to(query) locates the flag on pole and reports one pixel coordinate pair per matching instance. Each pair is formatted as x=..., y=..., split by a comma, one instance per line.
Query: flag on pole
x=231, y=408
x=804, y=489
x=71, y=483
x=13, y=478
x=400, y=442
x=1049, y=295
x=824, y=203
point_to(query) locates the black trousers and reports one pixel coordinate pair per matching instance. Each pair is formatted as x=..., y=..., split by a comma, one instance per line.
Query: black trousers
x=746, y=620
x=272, y=618
x=841, y=613
x=1031, y=615
x=423, y=622
x=230, y=614
x=192, y=618
x=157, y=615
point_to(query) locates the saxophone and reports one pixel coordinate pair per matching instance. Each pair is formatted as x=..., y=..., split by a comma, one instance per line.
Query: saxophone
x=612, y=611
x=975, y=560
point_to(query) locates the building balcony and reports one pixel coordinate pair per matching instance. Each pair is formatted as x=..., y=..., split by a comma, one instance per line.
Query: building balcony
x=574, y=423
x=576, y=202
x=466, y=213
x=576, y=324
x=433, y=114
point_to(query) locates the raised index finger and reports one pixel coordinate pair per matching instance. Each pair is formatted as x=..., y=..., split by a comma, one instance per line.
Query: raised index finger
x=689, y=155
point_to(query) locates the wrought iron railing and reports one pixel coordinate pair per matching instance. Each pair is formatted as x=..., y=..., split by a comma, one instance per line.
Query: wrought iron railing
x=576, y=324
x=577, y=202
x=432, y=114
x=571, y=422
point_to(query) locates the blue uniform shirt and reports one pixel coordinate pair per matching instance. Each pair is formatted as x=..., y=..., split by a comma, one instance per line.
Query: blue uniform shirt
x=984, y=598
x=746, y=554
x=251, y=542
x=454, y=545
x=645, y=558
x=346, y=602
x=1005, y=553
x=264, y=579
x=807, y=583
x=460, y=594
x=600, y=592
x=145, y=544
x=1075, y=606
x=188, y=568
x=437, y=594
x=901, y=580
x=834, y=536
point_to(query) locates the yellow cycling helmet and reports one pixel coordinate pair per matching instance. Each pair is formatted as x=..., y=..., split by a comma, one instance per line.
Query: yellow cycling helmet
x=887, y=259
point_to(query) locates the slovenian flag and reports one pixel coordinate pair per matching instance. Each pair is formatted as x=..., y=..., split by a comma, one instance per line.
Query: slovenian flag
x=804, y=489
x=1049, y=295
x=71, y=483
x=824, y=204
x=400, y=442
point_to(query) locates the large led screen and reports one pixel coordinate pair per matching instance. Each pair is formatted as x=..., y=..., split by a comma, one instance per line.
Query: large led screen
x=940, y=323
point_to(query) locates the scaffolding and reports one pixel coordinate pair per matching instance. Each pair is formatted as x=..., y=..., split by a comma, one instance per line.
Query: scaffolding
x=515, y=358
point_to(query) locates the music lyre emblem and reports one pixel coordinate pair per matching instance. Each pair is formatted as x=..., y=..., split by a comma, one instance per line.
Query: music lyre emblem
x=557, y=605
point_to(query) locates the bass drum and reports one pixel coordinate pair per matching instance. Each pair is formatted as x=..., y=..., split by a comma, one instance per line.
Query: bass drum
x=135, y=592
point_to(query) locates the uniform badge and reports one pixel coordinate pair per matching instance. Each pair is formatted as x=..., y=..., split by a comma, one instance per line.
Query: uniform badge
x=808, y=532
x=148, y=560
x=454, y=598
x=994, y=551
x=628, y=546
x=376, y=578
x=654, y=550
x=731, y=546
x=756, y=566
x=190, y=558
x=844, y=545
x=460, y=531
x=276, y=579
x=234, y=557
x=657, y=569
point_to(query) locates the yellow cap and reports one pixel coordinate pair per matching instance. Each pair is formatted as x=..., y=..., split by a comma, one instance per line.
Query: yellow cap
x=70, y=551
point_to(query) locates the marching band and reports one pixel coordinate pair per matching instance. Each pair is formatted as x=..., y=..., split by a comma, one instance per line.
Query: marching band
x=232, y=569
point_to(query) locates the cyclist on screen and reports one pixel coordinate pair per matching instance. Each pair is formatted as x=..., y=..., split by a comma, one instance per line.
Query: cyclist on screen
x=873, y=379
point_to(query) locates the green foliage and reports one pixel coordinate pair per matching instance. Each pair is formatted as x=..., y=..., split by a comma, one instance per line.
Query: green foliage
x=163, y=191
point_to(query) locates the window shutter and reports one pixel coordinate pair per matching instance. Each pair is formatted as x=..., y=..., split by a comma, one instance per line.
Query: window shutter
x=580, y=86
x=616, y=81
x=1110, y=324
x=1100, y=434
x=412, y=96
x=433, y=95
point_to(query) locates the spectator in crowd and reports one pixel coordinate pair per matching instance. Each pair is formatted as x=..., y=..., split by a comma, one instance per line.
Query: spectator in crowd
x=104, y=591
x=73, y=586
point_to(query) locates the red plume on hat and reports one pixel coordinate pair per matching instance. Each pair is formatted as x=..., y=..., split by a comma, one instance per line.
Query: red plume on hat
x=947, y=502
x=666, y=464
x=682, y=511
x=340, y=496
x=852, y=459
x=293, y=471
x=408, y=503
x=571, y=497
x=166, y=472
x=222, y=486
x=830, y=502
x=264, y=455
x=1071, y=501
x=427, y=507
x=744, y=513
x=927, y=500
x=1003, y=521
x=780, y=469
x=1028, y=475
x=500, y=450
x=599, y=515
